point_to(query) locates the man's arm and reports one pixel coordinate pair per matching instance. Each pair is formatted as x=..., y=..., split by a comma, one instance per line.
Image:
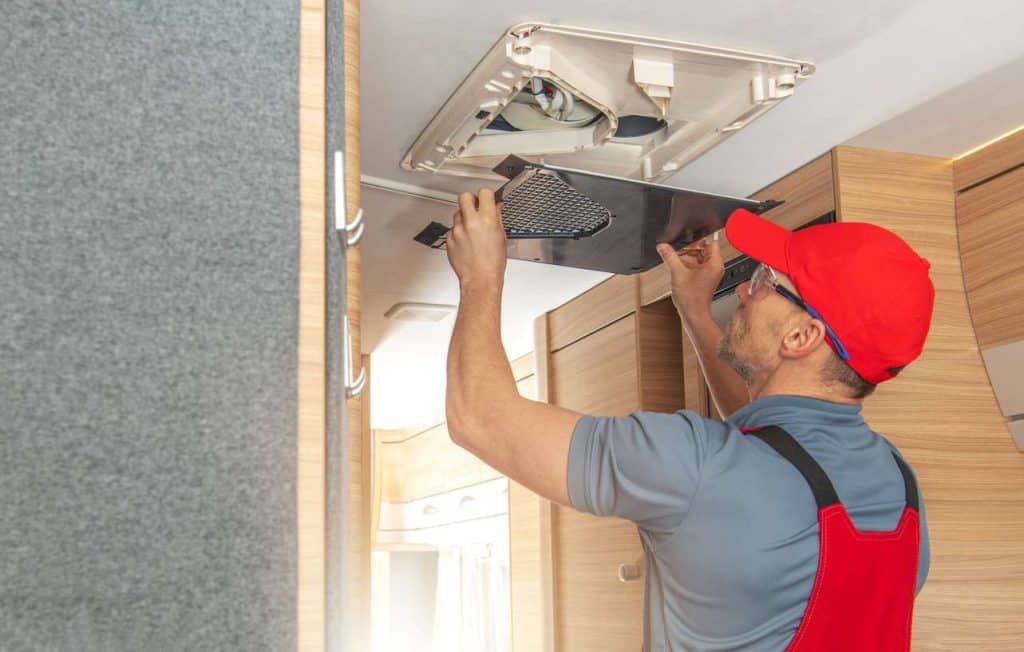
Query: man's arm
x=694, y=280
x=526, y=440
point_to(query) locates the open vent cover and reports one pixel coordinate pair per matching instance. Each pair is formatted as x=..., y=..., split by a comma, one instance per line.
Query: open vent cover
x=593, y=221
x=622, y=105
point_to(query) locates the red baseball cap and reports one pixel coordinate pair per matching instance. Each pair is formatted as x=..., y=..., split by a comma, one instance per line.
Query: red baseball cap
x=867, y=284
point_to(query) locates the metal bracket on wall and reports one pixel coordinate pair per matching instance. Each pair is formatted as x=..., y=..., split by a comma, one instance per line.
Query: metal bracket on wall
x=349, y=234
x=353, y=387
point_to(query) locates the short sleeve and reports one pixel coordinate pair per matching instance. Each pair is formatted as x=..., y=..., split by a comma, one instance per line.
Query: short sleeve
x=644, y=467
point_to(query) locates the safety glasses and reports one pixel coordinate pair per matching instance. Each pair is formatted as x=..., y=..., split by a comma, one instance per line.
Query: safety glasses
x=764, y=279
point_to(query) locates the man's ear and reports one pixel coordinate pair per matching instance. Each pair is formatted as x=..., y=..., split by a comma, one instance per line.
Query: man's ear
x=803, y=338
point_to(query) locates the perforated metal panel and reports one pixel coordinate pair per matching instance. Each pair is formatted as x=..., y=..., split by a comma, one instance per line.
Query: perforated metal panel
x=542, y=205
x=573, y=218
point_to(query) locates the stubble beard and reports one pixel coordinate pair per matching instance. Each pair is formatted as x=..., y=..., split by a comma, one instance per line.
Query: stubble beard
x=735, y=332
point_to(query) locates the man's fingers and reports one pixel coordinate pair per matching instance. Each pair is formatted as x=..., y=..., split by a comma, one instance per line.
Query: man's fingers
x=457, y=219
x=670, y=257
x=467, y=204
x=714, y=253
x=486, y=202
x=691, y=256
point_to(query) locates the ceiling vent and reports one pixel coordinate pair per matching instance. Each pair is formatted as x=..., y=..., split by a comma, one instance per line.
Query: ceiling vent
x=616, y=104
x=562, y=216
x=411, y=311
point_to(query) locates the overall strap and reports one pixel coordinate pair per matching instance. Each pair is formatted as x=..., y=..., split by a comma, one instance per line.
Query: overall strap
x=913, y=500
x=789, y=448
x=824, y=493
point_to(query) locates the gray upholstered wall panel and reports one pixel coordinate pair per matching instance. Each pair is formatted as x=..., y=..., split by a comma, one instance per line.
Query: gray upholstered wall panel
x=148, y=274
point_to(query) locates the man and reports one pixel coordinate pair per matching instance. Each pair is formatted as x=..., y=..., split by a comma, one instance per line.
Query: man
x=792, y=525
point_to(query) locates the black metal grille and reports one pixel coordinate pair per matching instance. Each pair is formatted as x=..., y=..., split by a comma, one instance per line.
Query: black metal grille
x=546, y=206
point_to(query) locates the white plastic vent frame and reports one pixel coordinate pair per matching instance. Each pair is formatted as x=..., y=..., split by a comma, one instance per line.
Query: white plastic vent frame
x=704, y=94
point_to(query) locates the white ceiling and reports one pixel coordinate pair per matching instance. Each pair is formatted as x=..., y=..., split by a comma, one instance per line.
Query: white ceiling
x=957, y=120
x=926, y=76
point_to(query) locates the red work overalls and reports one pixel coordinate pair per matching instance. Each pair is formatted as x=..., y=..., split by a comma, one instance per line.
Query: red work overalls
x=863, y=593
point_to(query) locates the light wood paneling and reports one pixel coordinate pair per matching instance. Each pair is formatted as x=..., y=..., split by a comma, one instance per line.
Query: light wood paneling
x=419, y=462
x=594, y=611
x=357, y=576
x=546, y=510
x=526, y=575
x=382, y=435
x=808, y=194
x=353, y=166
x=660, y=350
x=426, y=465
x=695, y=389
x=942, y=415
x=598, y=374
x=986, y=163
x=376, y=496
x=597, y=307
x=655, y=284
x=311, y=481
x=990, y=217
x=370, y=486
x=523, y=366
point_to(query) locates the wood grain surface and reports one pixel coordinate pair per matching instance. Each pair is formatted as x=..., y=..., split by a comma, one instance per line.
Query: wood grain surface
x=312, y=381
x=942, y=415
x=990, y=218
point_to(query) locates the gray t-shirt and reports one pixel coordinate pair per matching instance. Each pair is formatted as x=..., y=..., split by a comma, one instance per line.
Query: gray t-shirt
x=729, y=527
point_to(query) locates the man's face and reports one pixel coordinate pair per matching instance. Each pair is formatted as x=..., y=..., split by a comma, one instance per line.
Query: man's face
x=753, y=336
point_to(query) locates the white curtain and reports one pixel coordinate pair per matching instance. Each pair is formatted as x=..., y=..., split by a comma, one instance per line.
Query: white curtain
x=448, y=603
x=473, y=610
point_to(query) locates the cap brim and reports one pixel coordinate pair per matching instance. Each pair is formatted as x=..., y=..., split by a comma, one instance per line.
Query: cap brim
x=764, y=241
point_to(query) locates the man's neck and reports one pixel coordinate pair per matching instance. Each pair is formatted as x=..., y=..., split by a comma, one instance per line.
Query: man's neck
x=793, y=387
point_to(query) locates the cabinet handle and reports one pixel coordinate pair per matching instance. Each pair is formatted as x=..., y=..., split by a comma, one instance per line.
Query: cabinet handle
x=629, y=572
x=349, y=234
x=353, y=388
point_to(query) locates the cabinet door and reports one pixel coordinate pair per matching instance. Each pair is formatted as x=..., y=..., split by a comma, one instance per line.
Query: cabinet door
x=593, y=609
x=989, y=218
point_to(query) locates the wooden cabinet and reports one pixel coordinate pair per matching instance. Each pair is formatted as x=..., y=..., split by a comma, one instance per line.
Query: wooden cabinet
x=632, y=363
x=990, y=217
x=529, y=552
x=425, y=463
x=598, y=374
x=593, y=610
